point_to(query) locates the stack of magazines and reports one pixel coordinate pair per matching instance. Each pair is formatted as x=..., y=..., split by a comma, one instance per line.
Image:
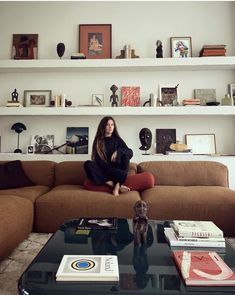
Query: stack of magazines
x=188, y=233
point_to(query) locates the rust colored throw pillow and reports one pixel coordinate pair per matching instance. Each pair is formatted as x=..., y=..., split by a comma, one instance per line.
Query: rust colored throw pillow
x=137, y=182
x=12, y=175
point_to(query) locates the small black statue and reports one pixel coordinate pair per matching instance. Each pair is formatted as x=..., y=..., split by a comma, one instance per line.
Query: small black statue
x=159, y=52
x=114, y=96
x=140, y=223
x=14, y=96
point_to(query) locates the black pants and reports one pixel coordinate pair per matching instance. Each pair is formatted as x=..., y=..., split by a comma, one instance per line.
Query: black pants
x=116, y=172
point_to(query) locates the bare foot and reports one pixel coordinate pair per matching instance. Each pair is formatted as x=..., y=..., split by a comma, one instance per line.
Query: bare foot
x=124, y=189
x=116, y=190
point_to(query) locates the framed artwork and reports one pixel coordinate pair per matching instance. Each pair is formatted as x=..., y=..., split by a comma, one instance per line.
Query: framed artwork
x=168, y=95
x=205, y=95
x=42, y=143
x=97, y=99
x=37, y=98
x=25, y=46
x=95, y=41
x=232, y=92
x=201, y=144
x=30, y=149
x=77, y=140
x=181, y=47
x=130, y=96
x=164, y=138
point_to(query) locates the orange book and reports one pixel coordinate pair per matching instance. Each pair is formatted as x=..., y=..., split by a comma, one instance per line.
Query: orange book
x=203, y=268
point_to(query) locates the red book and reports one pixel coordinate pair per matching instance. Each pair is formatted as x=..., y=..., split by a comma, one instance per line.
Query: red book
x=130, y=96
x=203, y=268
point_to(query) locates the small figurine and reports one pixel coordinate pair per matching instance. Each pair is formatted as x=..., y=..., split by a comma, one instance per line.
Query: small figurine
x=159, y=53
x=14, y=96
x=140, y=223
x=114, y=96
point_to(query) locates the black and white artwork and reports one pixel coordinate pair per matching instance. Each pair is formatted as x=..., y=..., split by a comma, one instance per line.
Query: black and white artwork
x=77, y=140
x=42, y=143
x=164, y=138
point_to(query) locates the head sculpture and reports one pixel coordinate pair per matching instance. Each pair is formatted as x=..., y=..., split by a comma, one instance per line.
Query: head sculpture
x=145, y=136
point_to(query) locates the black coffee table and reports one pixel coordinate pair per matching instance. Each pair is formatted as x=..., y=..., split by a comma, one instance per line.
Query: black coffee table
x=145, y=270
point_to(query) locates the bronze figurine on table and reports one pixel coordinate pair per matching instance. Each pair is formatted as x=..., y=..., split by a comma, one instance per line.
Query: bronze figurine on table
x=140, y=222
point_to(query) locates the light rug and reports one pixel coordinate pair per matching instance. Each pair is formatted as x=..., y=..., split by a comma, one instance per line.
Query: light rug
x=12, y=267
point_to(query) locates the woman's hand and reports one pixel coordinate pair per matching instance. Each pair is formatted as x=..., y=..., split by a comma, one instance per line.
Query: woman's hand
x=114, y=157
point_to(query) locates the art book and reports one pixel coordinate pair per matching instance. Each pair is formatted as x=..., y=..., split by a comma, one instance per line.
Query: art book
x=130, y=96
x=88, y=268
x=77, y=140
x=197, y=242
x=203, y=268
x=190, y=228
x=97, y=223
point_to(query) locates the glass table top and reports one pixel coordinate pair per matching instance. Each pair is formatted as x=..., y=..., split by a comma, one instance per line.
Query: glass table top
x=144, y=269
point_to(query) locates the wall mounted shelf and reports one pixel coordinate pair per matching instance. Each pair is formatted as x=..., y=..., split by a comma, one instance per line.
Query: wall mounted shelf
x=99, y=65
x=119, y=111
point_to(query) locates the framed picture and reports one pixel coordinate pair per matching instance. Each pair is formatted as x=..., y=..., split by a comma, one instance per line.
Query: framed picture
x=232, y=92
x=25, y=46
x=164, y=138
x=42, y=144
x=168, y=95
x=97, y=99
x=95, y=41
x=77, y=139
x=37, y=98
x=30, y=149
x=130, y=96
x=181, y=47
x=201, y=144
x=205, y=95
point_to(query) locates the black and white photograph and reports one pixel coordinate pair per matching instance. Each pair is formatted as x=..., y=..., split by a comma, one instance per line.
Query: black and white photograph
x=30, y=149
x=42, y=144
x=37, y=98
x=168, y=95
x=77, y=140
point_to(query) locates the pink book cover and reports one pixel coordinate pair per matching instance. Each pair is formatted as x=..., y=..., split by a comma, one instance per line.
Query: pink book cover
x=203, y=268
x=130, y=96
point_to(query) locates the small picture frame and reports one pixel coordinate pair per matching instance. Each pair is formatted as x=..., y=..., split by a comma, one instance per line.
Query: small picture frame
x=231, y=88
x=97, y=99
x=181, y=47
x=25, y=46
x=95, y=41
x=30, y=149
x=37, y=98
x=168, y=95
x=201, y=144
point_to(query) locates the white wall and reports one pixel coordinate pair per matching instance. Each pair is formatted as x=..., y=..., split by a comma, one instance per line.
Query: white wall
x=137, y=23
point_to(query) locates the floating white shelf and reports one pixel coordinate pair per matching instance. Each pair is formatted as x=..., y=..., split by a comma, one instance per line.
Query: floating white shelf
x=119, y=111
x=140, y=64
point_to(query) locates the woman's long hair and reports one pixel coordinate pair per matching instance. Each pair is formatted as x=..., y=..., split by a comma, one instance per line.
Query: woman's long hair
x=98, y=147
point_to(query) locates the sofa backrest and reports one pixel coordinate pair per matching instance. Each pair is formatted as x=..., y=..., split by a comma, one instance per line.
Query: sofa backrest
x=40, y=172
x=187, y=173
x=72, y=172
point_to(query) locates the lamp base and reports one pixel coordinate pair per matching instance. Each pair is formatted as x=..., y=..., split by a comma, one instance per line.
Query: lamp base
x=18, y=151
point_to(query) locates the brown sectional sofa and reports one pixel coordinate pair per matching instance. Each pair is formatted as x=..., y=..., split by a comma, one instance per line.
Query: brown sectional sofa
x=196, y=190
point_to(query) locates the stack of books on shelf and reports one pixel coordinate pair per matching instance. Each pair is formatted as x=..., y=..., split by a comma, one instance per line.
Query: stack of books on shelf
x=11, y=103
x=203, y=268
x=213, y=50
x=187, y=233
x=191, y=102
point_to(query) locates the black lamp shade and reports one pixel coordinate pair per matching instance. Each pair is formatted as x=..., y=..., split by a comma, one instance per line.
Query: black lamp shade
x=18, y=127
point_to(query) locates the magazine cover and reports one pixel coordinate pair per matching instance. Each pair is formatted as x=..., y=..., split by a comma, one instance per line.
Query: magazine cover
x=97, y=223
x=203, y=268
x=88, y=268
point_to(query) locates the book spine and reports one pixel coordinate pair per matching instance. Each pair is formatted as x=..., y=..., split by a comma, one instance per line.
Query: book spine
x=198, y=234
x=198, y=244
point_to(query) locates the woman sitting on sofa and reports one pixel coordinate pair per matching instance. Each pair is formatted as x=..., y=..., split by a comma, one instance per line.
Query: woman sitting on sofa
x=110, y=160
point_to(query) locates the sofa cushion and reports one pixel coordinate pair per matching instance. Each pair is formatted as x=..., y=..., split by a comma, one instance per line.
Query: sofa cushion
x=138, y=182
x=30, y=192
x=71, y=201
x=12, y=175
x=187, y=173
x=213, y=203
x=16, y=215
